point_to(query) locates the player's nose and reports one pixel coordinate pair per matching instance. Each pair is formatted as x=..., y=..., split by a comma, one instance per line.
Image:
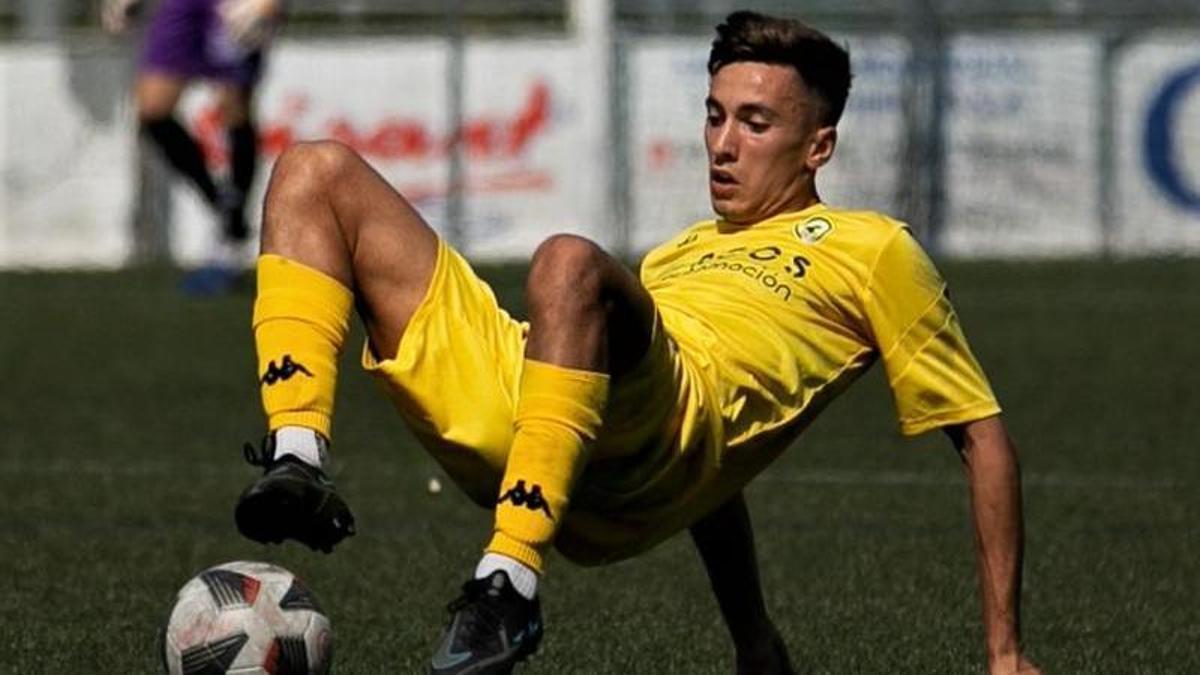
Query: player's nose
x=723, y=144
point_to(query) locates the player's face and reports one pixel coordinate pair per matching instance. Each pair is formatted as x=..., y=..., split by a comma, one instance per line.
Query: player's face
x=764, y=141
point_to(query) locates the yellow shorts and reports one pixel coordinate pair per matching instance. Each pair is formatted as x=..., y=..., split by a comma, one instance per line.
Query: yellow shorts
x=455, y=381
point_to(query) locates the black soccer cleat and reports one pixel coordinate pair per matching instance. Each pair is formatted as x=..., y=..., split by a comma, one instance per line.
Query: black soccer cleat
x=491, y=628
x=292, y=500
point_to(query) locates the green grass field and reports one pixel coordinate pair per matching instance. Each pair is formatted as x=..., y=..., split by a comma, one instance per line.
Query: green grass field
x=125, y=405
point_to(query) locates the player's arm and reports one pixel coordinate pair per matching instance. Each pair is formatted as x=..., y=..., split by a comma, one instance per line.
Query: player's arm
x=994, y=477
x=937, y=383
x=725, y=541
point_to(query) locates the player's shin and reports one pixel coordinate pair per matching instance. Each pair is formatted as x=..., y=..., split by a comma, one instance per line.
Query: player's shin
x=557, y=419
x=497, y=621
x=301, y=318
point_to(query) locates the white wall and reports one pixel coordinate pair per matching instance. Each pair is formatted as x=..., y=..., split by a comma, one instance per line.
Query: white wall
x=66, y=159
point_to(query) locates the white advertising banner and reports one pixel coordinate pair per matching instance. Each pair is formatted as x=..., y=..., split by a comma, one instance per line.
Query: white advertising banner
x=1158, y=146
x=1023, y=142
x=1022, y=136
x=866, y=168
x=668, y=182
x=668, y=85
x=536, y=151
x=526, y=171
x=66, y=151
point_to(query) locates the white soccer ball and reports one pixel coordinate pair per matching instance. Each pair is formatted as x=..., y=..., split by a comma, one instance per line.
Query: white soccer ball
x=247, y=617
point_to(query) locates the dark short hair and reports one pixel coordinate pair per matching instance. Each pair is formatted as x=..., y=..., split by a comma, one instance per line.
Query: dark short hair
x=823, y=65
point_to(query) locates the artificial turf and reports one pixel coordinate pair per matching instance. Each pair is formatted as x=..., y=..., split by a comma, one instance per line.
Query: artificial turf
x=124, y=406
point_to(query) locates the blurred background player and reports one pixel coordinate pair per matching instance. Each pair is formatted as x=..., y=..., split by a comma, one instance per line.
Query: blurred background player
x=221, y=42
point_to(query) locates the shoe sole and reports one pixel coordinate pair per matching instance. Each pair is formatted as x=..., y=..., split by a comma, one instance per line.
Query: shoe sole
x=504, y=666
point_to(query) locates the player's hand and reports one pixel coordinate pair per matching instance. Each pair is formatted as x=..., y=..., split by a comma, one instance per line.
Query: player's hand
x=250, y=23
x=117, y=15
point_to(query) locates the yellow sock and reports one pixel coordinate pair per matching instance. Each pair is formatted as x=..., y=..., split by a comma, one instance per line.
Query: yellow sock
x=301, y=317
x=557, y=418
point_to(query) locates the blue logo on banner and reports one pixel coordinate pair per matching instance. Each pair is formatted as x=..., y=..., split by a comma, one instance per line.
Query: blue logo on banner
x=1160, y=140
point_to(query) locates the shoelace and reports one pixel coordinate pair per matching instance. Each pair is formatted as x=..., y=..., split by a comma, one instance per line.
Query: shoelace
x=264, y=456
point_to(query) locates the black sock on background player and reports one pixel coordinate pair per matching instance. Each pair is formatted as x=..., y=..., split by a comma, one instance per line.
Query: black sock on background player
x=243, y=159
x=185, y=156
x=183, y=153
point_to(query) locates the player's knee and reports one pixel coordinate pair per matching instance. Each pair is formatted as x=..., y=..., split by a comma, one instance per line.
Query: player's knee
x=309, y=168
x=153, y=108
x=565, y=269
x=304, y=175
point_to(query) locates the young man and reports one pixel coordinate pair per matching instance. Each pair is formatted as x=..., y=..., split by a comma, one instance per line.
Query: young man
x=221, y=41
x=626, y=409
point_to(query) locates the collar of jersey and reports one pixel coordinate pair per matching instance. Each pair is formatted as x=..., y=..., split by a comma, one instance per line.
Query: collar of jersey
x=726, y=226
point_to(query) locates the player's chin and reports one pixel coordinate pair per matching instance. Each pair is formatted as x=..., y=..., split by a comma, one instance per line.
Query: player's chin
x=722, y=206
x=728, y=209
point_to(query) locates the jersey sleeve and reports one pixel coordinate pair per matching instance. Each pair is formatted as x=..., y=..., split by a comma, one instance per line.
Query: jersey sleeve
x=934, y=377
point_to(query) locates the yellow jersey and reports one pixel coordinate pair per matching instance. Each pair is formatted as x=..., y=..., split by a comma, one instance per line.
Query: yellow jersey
x=770, y=322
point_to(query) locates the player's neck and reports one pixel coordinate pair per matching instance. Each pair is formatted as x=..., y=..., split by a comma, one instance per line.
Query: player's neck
x=806, y=199
x=790, y=208
x=801, y=201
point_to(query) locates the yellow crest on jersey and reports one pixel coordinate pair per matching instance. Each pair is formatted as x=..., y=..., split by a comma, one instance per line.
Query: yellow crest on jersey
x=812, y=230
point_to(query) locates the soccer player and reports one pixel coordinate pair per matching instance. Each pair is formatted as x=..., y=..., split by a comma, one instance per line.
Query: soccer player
x=626, y=409
x=221, y=41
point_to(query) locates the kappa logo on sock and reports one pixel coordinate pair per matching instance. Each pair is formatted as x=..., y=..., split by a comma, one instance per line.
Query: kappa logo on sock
x=531, y=499
x=284, y=371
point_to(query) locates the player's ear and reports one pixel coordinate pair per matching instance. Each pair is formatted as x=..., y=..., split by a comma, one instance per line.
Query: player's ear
x=820, y=150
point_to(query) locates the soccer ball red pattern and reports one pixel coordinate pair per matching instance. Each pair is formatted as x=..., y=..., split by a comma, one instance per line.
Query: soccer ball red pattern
x=247, y=618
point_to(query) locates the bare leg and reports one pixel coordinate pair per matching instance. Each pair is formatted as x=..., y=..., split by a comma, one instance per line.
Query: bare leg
x=235, y=103
x=156, y=95
x=586, y=309
x=328, y=209
x=340, y=236
x=725, y=541
x=590, y=319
